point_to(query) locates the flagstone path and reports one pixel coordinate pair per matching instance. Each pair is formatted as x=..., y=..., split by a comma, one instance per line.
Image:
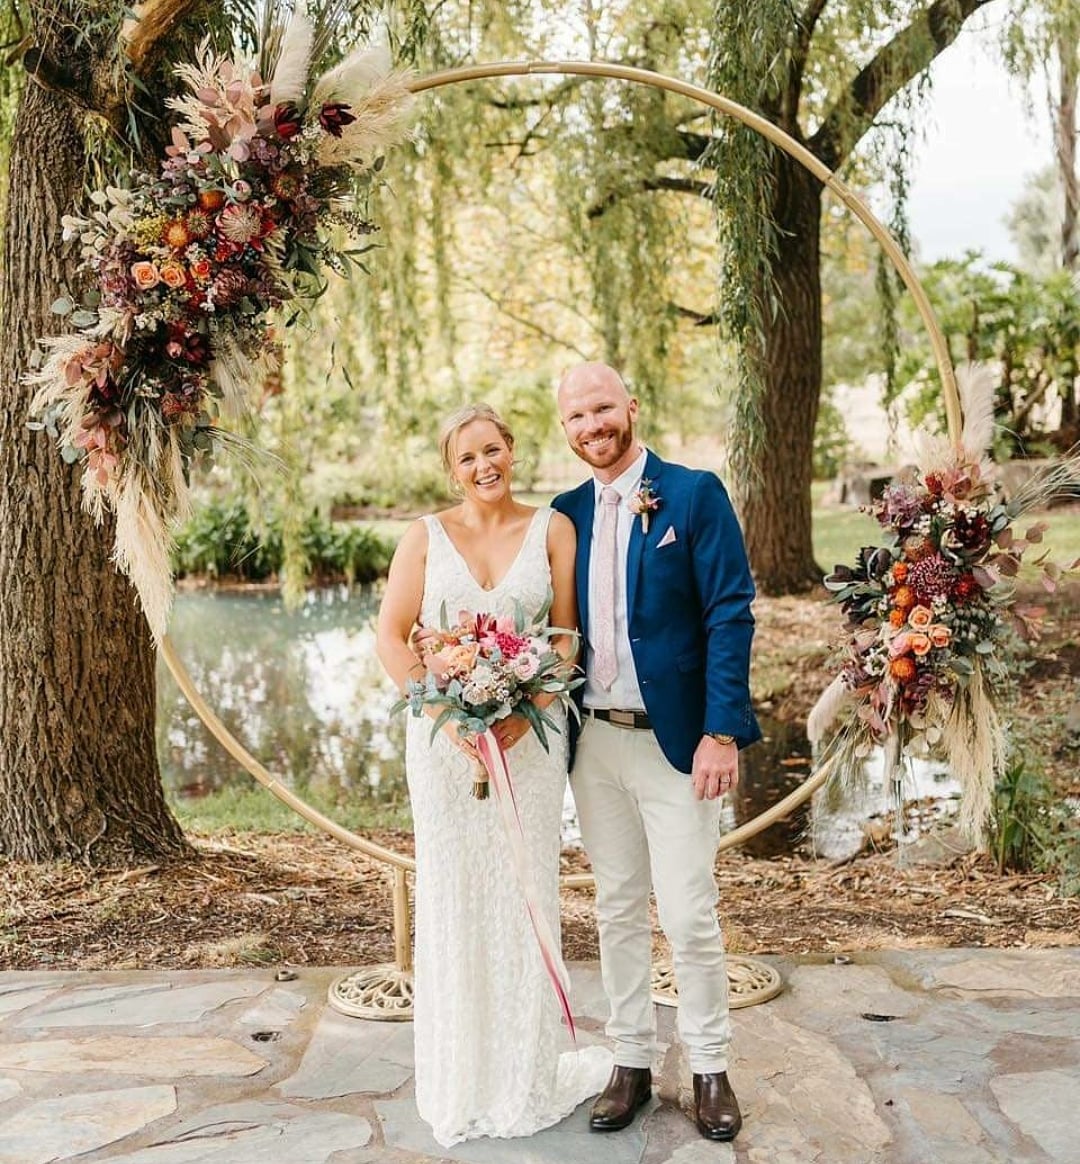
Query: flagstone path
x=910, y=1057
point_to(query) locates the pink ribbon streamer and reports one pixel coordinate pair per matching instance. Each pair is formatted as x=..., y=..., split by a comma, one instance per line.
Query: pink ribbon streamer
x=494, y=758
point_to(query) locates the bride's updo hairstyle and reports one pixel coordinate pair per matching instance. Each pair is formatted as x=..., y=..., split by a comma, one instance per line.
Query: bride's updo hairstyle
x=461, y=417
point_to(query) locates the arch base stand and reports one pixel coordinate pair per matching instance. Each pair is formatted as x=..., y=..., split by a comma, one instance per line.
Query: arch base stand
x=383, y=993
x=749, y=982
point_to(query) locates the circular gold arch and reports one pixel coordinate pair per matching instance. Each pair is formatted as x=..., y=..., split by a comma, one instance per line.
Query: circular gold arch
x=399, y=863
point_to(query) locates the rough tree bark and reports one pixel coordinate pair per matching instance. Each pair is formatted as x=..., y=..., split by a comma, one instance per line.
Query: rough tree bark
x=775, y=504
x=78, y=771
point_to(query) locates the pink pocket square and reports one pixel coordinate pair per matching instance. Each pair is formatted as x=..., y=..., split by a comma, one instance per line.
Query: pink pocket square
x=667, y=539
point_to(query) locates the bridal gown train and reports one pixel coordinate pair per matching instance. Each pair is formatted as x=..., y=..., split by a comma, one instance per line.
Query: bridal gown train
x=488, y=1028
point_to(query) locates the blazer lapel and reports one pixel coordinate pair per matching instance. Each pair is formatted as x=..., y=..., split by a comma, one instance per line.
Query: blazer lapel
x=635, y=552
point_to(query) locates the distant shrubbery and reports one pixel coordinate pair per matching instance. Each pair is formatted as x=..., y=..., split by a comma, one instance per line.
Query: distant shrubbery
x=221, y=541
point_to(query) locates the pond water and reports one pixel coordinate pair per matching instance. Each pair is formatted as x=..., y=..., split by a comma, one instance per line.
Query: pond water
x=304, y=692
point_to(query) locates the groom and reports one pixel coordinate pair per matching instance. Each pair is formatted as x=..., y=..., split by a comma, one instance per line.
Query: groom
x=664, y=593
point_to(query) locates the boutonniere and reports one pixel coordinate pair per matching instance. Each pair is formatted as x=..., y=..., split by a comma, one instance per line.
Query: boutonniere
x=644, y=501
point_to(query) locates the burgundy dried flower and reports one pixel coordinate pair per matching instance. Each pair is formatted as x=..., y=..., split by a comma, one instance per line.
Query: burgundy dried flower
x=189, y=346
x=972, y=531
x=229, y=287
x=931, y=578
x=287, y=120
x=334, y=116
x=286, y=185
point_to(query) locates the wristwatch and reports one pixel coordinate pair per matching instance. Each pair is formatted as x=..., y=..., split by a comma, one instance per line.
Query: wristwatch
x=721, y=737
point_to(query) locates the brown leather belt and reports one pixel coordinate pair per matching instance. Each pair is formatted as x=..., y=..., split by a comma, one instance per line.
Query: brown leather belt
x=626, y=719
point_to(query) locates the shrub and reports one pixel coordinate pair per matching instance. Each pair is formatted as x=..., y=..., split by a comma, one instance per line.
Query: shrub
x=221, y=541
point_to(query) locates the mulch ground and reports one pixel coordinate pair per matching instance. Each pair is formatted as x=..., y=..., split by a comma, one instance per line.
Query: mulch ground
x=302, y=899
x=271, y=900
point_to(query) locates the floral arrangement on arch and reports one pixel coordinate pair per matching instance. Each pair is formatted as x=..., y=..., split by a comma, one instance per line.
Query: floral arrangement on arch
x=932, y=612
x=189, y=266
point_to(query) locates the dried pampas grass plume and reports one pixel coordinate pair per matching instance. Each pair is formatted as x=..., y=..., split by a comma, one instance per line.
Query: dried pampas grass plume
x=291, y=71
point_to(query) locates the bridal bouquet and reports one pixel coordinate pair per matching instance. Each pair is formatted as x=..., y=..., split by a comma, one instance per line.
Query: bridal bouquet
x=932, y=611
x=189, y=264
x=484, y=668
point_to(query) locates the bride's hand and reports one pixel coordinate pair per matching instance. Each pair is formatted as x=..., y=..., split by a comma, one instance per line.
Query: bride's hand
x=510, y=730
x=463, y=743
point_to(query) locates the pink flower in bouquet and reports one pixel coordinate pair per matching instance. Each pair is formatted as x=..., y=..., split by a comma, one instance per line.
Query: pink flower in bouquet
x=453, y=659
x=508, y=644
x=940, y=635
x=900, y=645
x=526, y=665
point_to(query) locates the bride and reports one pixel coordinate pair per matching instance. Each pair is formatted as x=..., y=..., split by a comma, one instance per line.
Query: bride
x=487, y=1023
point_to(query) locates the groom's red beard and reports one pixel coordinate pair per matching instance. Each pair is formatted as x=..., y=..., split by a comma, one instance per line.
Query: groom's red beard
x=622, y=439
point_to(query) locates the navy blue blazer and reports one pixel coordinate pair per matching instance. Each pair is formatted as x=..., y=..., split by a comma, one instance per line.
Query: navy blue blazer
x=689, y=607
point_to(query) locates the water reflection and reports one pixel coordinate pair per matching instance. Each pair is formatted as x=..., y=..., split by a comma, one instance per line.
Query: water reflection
x=305, y=694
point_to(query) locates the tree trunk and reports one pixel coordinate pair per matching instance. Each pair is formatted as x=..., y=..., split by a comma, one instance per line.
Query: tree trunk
x=1065, y=151
x=774, y=501
x=78, y=770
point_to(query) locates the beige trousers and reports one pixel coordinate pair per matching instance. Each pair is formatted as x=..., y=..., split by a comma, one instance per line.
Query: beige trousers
x=643, y=829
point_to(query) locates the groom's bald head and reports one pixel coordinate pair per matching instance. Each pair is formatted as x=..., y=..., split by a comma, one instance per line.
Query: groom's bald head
x=591, y=372
x=598, y=415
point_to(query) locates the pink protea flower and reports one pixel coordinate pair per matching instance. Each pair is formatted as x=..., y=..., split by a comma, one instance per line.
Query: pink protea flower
x=239, y=224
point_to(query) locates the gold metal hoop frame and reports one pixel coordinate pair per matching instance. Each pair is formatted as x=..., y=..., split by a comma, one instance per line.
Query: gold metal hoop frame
x=390, y=995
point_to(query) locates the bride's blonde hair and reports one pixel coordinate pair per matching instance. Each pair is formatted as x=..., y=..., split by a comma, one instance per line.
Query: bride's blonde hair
x=461, y=417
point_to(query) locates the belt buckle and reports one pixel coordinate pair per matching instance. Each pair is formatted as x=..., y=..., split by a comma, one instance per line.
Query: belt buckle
x=622, y=718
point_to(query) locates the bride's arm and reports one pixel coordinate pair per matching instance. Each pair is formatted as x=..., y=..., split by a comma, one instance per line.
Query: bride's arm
x=562, y=550
x=399, y=612
x=400, y=607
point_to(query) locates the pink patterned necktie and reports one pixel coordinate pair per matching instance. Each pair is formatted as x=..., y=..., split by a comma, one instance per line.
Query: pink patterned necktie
x=602, y=616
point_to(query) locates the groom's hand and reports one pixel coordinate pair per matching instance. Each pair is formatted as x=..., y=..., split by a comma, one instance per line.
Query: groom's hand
x=716, y=768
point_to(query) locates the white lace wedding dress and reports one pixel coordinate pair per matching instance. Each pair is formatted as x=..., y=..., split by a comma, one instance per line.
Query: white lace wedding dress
x=491, y=1056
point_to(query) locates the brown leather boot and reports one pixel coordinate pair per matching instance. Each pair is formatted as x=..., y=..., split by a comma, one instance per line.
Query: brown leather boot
x=615, y=1106
x=715, y=1107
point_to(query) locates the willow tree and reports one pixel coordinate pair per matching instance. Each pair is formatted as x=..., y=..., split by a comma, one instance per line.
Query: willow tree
x=1042, y=40
x=623, y=155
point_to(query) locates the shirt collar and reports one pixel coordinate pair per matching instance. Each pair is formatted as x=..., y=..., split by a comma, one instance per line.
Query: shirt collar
x=626, y=482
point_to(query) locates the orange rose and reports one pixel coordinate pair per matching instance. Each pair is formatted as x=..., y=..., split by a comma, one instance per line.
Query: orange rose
x=921, y=617
x=903, y=669
x=173, y=275
x=904, y=597
x=897, y=618
x=920, y=644
x=145, y=275
x=201, y=270
x=940, y=635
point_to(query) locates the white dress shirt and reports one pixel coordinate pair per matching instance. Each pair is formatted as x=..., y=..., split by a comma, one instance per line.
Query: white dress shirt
x=625, y=692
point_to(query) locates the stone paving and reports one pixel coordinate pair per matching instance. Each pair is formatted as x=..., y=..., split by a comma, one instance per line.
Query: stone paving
x=912, y=1057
